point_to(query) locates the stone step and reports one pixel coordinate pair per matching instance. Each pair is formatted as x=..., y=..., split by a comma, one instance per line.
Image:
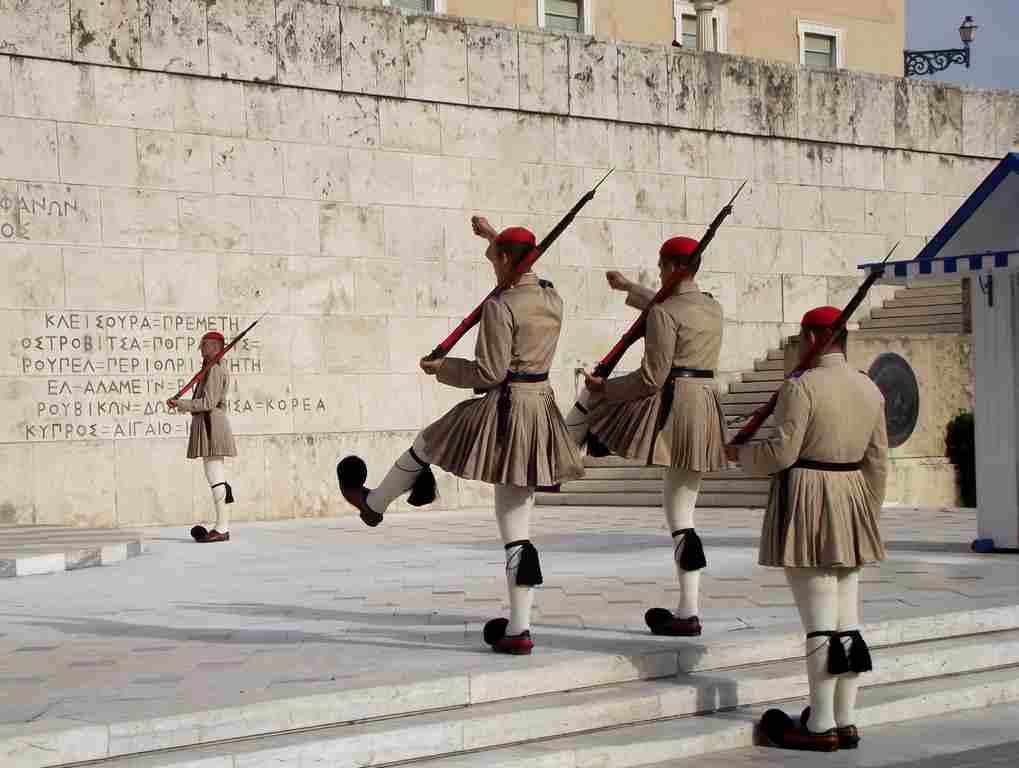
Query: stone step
x=46, y=743
x=756, y=398
x=731, y=409
x=771, y=375
x=878, y=329
x=771, y=364
x=638, y=472
x=742, y=387
x=646, y=485
x=930, y=289
x=909, y=300
x=592, y=711
x=664, y=743
x=704, y=500
x=776, y=354
x=952, y=313
x=911, y=322
x=981, y=737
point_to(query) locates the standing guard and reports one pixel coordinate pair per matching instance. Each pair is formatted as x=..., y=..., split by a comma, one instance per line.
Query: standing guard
x=211, y=438
x=512, y=436
x=828, y=462
x=666, y=413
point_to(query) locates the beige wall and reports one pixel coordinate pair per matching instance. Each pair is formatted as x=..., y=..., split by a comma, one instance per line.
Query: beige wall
x=767, y=29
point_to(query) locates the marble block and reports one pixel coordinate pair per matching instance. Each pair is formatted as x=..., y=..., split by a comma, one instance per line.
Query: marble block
x=436, y=54
x=308, y=40
x=492, y=66
x=644, y=84
x=173, y=36
x=594, y=78
x=371, y=54
x=36, y=28
x=691, y=97
x=242, y=39
x=107, y=32
x=544, y=72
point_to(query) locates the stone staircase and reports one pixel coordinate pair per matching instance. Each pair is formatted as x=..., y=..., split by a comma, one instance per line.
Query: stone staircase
x=930, y=308
x=606, y=711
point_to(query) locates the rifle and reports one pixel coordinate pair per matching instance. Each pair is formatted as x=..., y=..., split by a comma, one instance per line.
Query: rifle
x=820, y=346
x=219, y=356
x=474, y=317
x=636, y=331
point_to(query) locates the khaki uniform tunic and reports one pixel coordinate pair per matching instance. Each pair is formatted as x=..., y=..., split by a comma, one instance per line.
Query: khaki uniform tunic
x=211, y=435
x=685, y=331
x=518, y=333
x=817, y=518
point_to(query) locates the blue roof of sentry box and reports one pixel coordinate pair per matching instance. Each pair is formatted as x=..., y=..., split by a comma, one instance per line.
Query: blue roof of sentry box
x=982, y=235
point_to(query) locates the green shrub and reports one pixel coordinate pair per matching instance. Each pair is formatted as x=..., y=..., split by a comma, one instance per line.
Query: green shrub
x=960, y=447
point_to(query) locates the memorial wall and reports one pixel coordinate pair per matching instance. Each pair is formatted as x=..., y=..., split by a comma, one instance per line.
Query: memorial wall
x=168, y=168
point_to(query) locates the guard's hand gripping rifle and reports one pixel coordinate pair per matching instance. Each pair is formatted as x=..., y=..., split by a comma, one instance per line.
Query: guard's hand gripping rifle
x=219, y=356
x=475, y=316
x=636, y=331
x=820, y=346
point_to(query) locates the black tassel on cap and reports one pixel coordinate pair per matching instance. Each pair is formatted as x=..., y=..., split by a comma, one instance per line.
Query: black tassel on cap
x=528, y=569
x=424, y=491
x=692, y=557
x=859, y=653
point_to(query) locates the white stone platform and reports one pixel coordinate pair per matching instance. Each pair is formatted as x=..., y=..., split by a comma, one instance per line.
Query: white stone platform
x=32, y=550
x=330, y=626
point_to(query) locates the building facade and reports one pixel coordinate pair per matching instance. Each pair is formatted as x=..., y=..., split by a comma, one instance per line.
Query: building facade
x=862, y=35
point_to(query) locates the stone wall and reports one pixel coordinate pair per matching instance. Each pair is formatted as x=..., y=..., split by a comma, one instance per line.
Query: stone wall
x=167, y=167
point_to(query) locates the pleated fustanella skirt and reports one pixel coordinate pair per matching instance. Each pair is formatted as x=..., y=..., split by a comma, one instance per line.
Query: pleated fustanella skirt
x=692, y=437
x=535, y=449
x=211, y=436
x=820, y=519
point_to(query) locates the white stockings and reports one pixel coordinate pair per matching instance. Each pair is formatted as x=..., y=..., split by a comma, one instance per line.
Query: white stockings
x=681, y=488
x=215, y=473
x=400, y=478
x=513, y=514
x=828, y=601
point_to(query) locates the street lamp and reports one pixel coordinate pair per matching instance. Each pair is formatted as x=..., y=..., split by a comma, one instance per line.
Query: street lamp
x=929, y=62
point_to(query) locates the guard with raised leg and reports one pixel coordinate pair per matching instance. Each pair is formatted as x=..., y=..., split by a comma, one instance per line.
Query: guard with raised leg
x=828, y=463
x=512, y=436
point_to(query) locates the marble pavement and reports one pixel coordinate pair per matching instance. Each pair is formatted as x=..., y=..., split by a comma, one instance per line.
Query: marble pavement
x=305, y=607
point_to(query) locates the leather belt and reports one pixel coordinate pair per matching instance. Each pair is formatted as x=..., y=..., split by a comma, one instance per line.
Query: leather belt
x=690, y=373
x=502, y=407
x=827, y=466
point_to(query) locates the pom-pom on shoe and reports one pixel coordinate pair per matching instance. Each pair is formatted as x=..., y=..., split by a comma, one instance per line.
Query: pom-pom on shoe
x=516, y=645
x=351, y=473
x=199, y=532
x=779, y=730
x=663, y=622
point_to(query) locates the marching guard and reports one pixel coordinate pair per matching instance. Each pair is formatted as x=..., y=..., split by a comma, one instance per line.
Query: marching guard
x=211, y=438
x=666, y=413
x=512, y=436
x=828, y=462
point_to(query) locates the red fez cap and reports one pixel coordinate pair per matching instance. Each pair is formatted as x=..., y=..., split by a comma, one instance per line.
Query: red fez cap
x=215, y=336
x=678, y=247
x=821, y=317
x=516, y=235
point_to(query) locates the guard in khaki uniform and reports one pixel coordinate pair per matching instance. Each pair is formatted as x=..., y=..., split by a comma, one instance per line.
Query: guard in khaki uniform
x=211, y=438
x=512, y=436
x=667, y=414
x=828, y=462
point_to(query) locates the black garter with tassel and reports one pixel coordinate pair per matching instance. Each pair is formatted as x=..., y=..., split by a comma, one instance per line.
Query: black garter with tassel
x=692, y=558
x=839, y=662
x=229, y=492
x=529, y=569
x=424, y=491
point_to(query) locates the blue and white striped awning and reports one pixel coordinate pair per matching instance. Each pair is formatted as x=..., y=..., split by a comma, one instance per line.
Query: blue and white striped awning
x=983, y=235
x=945, y=267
